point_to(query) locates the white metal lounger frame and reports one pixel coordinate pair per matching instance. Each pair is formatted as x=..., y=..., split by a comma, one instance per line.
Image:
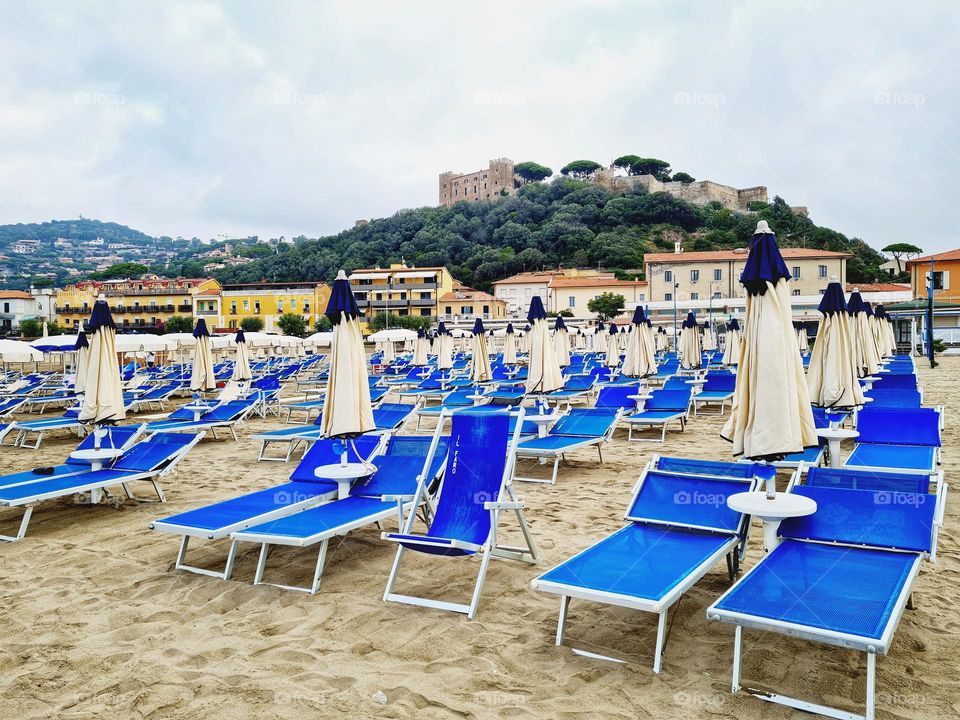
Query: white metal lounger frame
x=632, y=421
x=489, y=549
x=201, y=426
x=403, y=502
x=29, y=503
x=21, y=432
x=659, y=607
x=186, y=532
x=871, y=646
x=544, y=454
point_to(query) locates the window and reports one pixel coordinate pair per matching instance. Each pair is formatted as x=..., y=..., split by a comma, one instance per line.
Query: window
x=293, y=303
x=449, y=310
x=486, y=309
x=941, y=280
x=233, y=324
x=823, y=292
x=668, y=275
x=256, y=308
x=668, y=296
x=379, y=296
x=572, y=301
x=424, y=312
x=527, y=292
x=246, y=304
x=424, y=296
x=716, y=296
x=822, y=271
x=718, y=274
x=513, y=292
x=796, y=272
x=279, y=306
x=796, y=292
x=694, y=275
x=694, y=296
x=466, y=309
x=6, y=307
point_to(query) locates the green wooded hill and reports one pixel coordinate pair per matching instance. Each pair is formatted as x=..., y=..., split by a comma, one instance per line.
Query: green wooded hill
x=566, y=223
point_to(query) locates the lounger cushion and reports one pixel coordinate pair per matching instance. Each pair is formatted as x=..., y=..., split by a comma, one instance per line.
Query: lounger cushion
x=905, y=457
x=655, y=416
x=64, y=485
x=642, y=561
x=810, y=584
x=555, y=443
x=340, y=514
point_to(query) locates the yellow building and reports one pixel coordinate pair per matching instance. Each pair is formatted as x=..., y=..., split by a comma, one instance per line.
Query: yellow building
x=226, y=307
x=463, y=303
x=142, y=305
x=401, y=290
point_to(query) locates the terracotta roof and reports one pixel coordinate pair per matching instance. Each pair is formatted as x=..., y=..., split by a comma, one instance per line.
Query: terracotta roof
x=948, y=255
x=210, y=291
x=465, y=293
x=877, y=287
x=15, y=295
x=529, y=277
x=715, y=255
x=594, y=282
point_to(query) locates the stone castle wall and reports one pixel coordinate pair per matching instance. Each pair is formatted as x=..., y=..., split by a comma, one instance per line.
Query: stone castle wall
x=478, y=185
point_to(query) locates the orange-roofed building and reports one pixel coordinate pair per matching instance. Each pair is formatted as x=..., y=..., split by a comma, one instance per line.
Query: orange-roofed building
x=946, y=276
x=464, y=303
x=573, y=294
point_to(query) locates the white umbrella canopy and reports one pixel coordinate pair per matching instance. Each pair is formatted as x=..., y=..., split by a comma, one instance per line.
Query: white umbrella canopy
x=56, y=343
x=480, y=371
x=444, y=349
x=580, y=341
x=421, y=348
x=612, y=358
x=18, y=351
x=82, y=348
x=202, y=377
x=241, y=365
x=144, y=343
x=509, y=346
x=882, y=332
x=346, y=407
x=388, y=353
x=689, y=350
x=392, y=335
x=832, y=374
x=46, y=330
x=802, y=341
x=771, y=415
x=544, y=373
x=865, y=352
x=709, y=337
x=639, y=360
x=319, y=339
x=731, y=349
x=561, y=342
x=103, y=390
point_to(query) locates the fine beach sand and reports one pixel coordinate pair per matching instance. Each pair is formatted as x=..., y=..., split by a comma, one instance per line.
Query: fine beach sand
x=94, y=623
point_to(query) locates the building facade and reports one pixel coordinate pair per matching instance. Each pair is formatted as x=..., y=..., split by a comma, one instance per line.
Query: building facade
x=496, y=181
x=400, y=290
x=467, y=304
x=946, y=276
x=142, y=305
x=716, y=273
x=518, y=290
x=573, y=294
x=226, y=307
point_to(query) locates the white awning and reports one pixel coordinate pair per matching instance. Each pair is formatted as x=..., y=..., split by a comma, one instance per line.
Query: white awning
x=415, y=274
x=370, y=276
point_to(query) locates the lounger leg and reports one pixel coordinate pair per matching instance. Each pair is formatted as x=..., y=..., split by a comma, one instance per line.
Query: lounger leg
x=318, y=571
x=24, y=521
x=261, y=563
x=556, y=466
x=478, y=589
x=231, y=556
x=737, y=642
x=562, y=622
x=661, y=640
x=871, y=685
x=393, y=573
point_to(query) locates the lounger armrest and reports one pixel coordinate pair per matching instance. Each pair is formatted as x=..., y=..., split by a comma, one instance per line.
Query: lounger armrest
x=503, y=506
x=397, y=498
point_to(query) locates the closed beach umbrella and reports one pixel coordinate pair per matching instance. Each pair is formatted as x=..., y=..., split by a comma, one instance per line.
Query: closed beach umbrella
x=689, y=351
x=661, y=338
x=389, y=354
x=346, y=407
x=544, y=373
x=865, y=352
x=202, y=377
x=241, y=365
x=444, y=347
x=82, y=348
x=612, y=358
x=709, y=338
x=46, y=330
x=561, y=342
x=103, y=399
x=771, y=415
x=480, y=364
x=510, y=346
x=731, y=350
x=581, y=339
x=802, y=341
x=882, y=332
x=887, y=325
x=421, y=347
x=639, y=360
x=832, y=375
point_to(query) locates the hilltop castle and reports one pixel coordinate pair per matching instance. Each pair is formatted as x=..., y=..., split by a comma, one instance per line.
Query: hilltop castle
x=499, y=180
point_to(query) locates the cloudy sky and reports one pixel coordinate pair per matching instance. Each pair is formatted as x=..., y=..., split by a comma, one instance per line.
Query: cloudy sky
x=237, y=118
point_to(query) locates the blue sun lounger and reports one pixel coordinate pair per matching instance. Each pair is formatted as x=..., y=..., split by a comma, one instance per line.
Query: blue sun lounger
x=895, y=399
x=23, y=428
x=617, y=397
x=147, y=460
x=680, y=527
x=225, y=415
x=663, y=408
x=474, y=492
x=576, y=387
x=154, y=397
x=718, y=388
x=406, y=462
x=218, y=520
x=120, y=437
x=575, y=430
x=803, y=587
x=899, y=440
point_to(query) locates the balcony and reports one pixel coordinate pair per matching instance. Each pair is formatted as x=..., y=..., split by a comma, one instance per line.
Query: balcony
x=206, y=313
x=185, y=308
x=423, y=302
x=382, y=303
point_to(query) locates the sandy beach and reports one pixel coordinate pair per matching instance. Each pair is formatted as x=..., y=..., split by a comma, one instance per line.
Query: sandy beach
x=95, y=623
